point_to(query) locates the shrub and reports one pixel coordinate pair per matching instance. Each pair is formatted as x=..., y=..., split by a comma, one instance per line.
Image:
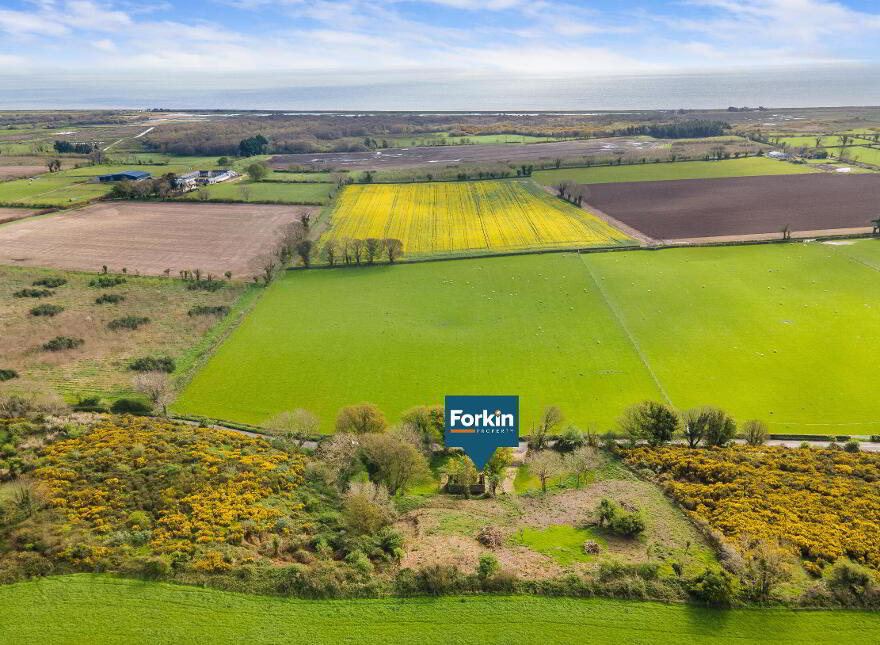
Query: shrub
x=440, y=579
x=366, y=509
x=654, y=422
x=89, y=404
x=105, y=282
x=7, y=375
x=571, y=440
x=205, y=310
x=627, y=524
x=128, y=322
x=153, y=364
x=714, y=587
x=130, y=406
x=591, y=547
x=33, y=293
x=488, y=567
x=850, y=581
x=110, y=298
x=755, y=432
x=851, y=446
x=364, y=418
x=606, y=510
x=52, y=283
x=204, y=285
x=47, y=310
x=60, y=343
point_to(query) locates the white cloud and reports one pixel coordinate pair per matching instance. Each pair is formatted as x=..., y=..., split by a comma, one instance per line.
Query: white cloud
x=105, y=44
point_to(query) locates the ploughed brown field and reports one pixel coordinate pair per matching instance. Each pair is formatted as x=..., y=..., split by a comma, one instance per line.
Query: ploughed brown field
x=11, y=172
x=148, y=237
x=689, y=208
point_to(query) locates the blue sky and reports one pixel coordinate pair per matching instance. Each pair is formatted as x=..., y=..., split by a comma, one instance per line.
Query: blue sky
x=340, y=40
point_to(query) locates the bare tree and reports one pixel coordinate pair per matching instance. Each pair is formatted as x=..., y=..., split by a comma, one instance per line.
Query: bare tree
x=294, y=424
x=357, y=249
x=245, y=191
x=156, y=386
x=304, y=250
x=544, y=465
x=373, y=247
x=393, y=249
x=582, y=461
x=330, y=251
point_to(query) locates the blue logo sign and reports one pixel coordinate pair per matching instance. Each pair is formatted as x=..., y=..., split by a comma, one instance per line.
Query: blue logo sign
x=479, y=424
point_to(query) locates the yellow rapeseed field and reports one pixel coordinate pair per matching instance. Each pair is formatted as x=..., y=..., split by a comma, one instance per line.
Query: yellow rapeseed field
x=461, y=217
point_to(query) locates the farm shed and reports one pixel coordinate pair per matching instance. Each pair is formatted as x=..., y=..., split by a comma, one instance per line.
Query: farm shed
x=131, y=175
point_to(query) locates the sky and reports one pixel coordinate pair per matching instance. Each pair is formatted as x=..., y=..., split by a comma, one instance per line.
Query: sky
x=340, y=40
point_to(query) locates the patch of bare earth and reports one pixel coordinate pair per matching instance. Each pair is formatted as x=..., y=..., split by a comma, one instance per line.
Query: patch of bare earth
x=12, y=214
x=444, y=531
x=11, y=172
x=149, y=237
x=741, y=206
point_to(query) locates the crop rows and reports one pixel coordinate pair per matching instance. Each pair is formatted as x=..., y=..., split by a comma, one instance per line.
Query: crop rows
x=473, y=216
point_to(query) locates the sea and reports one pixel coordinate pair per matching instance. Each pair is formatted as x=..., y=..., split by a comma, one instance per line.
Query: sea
x=855, y=85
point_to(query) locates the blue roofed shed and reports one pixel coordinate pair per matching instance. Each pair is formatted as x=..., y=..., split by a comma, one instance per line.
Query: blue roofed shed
x=131, y=175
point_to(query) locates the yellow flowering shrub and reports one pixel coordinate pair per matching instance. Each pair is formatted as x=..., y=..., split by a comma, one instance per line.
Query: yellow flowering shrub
x=824, y=502
x=196, y=486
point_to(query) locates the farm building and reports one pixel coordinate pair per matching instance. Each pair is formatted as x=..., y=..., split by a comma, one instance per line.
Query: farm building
x=131, y=175
x=775, y=154
x=214, y=176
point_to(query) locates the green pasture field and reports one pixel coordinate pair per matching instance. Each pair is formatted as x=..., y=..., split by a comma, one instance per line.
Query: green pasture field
x=266, y=191
x=759, y=330
x=864, y=155
x=85, y=609
x=56, y=189
x=826, y=141
x=748, y=167
x=311, y=177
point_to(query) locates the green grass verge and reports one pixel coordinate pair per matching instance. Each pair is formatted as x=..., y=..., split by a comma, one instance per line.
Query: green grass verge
x=89, y=609
x=749, y=167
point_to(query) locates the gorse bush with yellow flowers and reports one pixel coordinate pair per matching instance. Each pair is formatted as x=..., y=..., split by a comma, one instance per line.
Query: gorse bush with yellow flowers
x=824, y=503
x=186, y=486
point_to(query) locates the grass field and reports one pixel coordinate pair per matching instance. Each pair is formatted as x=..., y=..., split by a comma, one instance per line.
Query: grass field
x=100, y=366
x=58, y=189
x=750, y=167
x=864, y=154
x=745, y=328
x=248, y=191
x=825, y=141
x=87, y=609
x=467, y=217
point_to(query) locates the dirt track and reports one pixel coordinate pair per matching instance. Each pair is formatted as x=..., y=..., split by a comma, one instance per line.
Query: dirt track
x=397, y=158
x=148, y=237
x=697, y=208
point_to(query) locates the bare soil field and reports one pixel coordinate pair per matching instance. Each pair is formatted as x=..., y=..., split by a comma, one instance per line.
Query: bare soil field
x=694, y=208
x=12, y=214
x=12, y=172
x=148, y=238
x=398, y=158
